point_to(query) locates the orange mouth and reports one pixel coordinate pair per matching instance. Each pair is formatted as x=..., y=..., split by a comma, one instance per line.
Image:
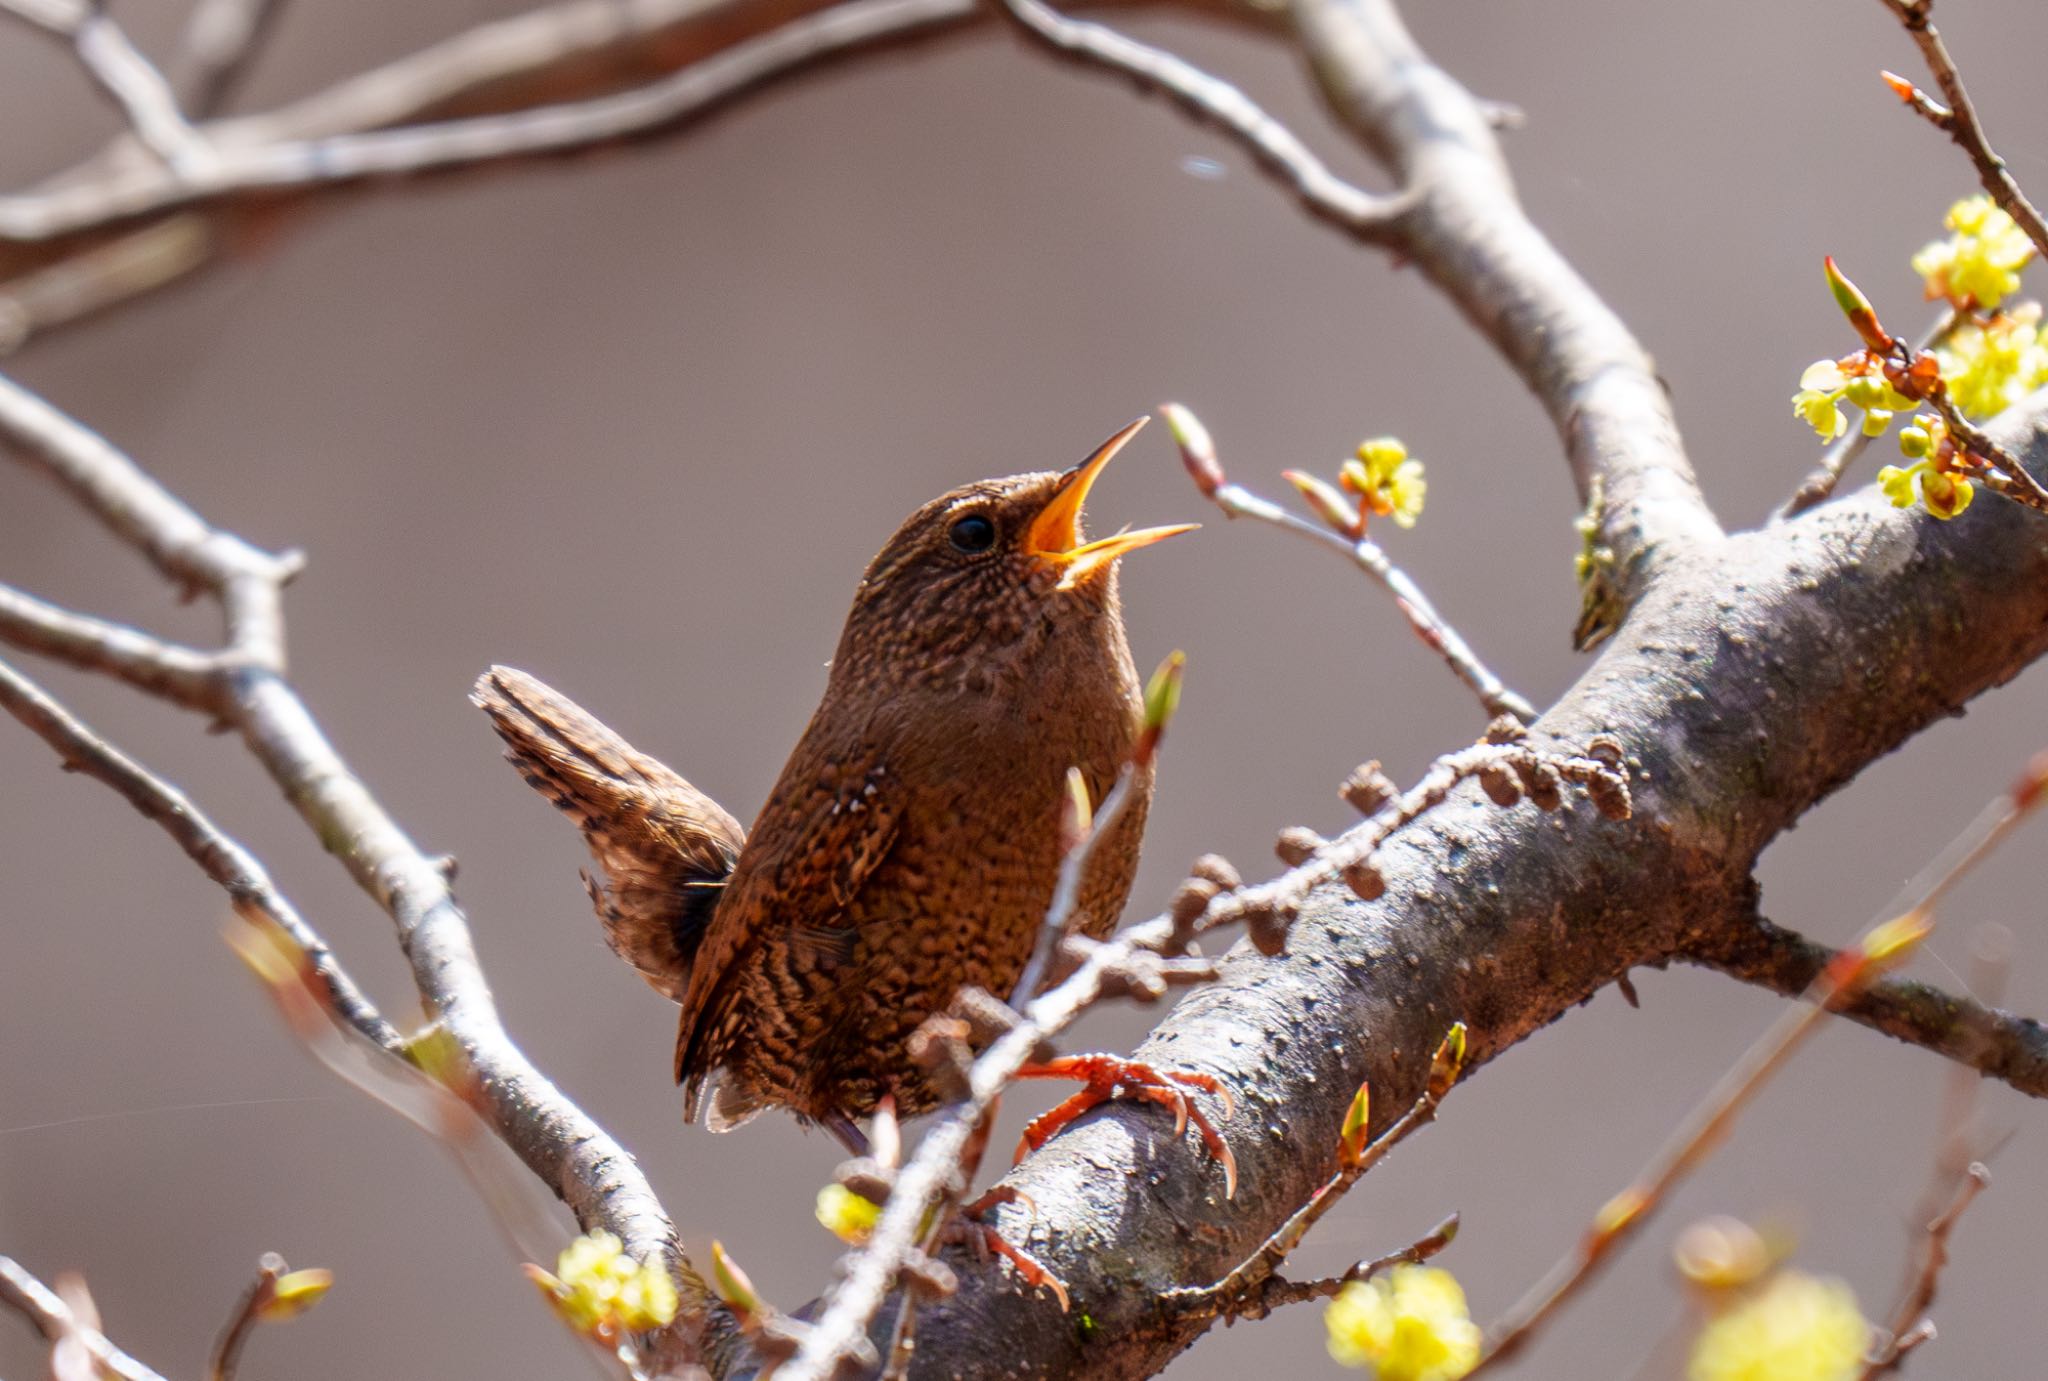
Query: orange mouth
x=1055, y=534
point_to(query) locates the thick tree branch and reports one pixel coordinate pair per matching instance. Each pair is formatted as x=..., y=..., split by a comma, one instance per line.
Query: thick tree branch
x=2006, y=1047
x=1468, y=234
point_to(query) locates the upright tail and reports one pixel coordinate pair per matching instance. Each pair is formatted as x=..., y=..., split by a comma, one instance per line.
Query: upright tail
x=662, y=848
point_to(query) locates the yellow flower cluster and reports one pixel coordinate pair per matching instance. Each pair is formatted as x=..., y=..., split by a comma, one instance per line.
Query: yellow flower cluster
x=846, y=1215
x=1979, y=265
x=1797, y=1328
x=1827, y=384
x=1990, y=363
x=1931, y=480
x=1390, y=484
x=1411, y=1325
x=601, y=1291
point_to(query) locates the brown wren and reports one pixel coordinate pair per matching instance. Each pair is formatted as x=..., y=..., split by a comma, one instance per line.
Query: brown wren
x=910, y=846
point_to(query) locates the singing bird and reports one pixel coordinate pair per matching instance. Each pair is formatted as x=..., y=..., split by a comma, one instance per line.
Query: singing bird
x=911, y=844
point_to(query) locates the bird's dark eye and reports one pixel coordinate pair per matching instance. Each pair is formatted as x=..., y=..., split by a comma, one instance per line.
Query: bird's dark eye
x=973, y=533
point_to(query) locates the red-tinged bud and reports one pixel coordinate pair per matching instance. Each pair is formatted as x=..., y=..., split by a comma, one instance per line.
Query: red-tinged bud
x=2033, y=783
x=1197, y=451
x=732, y=1286
x=1162, y=700
x=1901, y=88
x=1618, y=1212
x=1449, y=1061
x=1855, y=306
x=1351, y=1140
x=1329, y=503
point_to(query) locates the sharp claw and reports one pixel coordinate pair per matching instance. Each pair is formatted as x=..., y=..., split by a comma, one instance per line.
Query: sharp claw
x=1107, y=1076
x=1027, y=1266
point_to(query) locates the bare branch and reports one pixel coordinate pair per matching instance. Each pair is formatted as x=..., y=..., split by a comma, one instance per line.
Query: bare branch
x=1254, y=1288
x=218, y=855
x=120, y=70
x=1959, y=120
x=53, y=1318
x=1372, y=218
x=227, y=1349
x=181, y=675
x=221, y=39
x=1704, y=1129
x=1910, y=1325
x=1468, y=233
x=101, y=276
x=1277, y=1292
x=2010, y=1048
x=551, y=129
x=569, y=1152
x=1198, y=451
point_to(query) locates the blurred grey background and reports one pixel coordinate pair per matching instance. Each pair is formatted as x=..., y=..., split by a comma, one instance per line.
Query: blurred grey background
x=634, y=422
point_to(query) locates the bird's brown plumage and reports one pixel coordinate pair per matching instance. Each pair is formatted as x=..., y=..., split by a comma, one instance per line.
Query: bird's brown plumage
x=910, y=846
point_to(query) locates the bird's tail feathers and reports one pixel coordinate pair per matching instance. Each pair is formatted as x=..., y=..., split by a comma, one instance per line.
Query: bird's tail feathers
x=663, y=849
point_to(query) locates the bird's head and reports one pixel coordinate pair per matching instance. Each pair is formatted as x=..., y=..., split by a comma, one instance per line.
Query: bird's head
x=992, y=571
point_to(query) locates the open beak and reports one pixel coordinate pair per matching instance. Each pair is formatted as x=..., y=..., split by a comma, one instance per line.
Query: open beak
x=1055, y=534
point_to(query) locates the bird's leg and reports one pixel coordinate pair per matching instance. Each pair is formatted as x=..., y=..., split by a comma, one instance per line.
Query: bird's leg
x=983, y=1238
x=1110, y=1076
x=845, y=1132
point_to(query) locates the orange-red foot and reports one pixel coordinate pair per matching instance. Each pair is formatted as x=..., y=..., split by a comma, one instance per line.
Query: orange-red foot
x=1111, y=1076
x=985, y=1238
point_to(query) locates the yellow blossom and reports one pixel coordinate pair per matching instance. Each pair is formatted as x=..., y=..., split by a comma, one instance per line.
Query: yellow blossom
x=600, y=1290
x=1940, y=493
x=1411, y=1325
x=846, y=1215
x=1979, y=265
x=1797, y=1328
x=1391, y=483
x=1992, y=363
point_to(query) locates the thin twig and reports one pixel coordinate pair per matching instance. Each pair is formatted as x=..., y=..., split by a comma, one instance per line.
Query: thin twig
x=1063, y=912
x=1910, y=1320
x=1959, y=120
x=184, y=676
x=120, y=70
x=101, y=276
x=549, y=129
x=218, y=855
x=53, y=1318
x=222, y=39
x=569, y=1152
x=2009, y=1048
x=1707, y=1125
x=1704, y=1129
x=1277, y=149
x=1277, y=1292
x=1252, y=1287
x=1198, y=452
x=227, y=1348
